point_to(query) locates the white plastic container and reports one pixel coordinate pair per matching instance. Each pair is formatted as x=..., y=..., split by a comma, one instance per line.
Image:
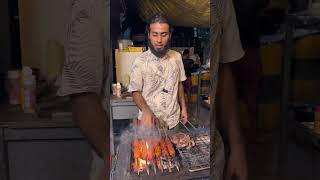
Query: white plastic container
x=13, y=87
x=29, y=94
x=114, y=89
x=118, y=90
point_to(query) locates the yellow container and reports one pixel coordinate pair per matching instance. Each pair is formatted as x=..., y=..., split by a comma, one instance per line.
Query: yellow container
x=193, y=98
x=136, y=49
x=271, y=59
x=268, y=116
x=205, y=90
x=305, y=90
x=307, y=47
x=194, y=80
x=205, y=76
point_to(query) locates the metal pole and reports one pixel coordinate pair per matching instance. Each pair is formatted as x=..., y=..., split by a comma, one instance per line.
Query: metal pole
x=199, y=92
x=286, y=72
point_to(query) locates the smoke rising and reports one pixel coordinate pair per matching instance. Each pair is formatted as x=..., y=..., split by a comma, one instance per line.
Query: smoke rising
x=122, y=165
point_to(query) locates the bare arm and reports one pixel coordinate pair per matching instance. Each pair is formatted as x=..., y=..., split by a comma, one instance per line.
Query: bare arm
x=89, y=115
x=147, y=114
x=182, y=100
x=181, y=95
x=227, y=106
x=141, y=103
x=227, y=109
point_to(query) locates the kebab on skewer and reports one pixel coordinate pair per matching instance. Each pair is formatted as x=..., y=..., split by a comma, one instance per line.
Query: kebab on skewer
x=150, y=156
x=143, y=154
x=164, y=150
x=172, y=153
x=136, y=155
x=165, y=155
x=170, y=147
x=157, y=153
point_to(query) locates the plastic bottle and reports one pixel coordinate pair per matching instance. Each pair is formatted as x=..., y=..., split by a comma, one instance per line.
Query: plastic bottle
x=114, y=89
x=118, y=90
x=13, y=87
x=28, y=90
x=29, y=94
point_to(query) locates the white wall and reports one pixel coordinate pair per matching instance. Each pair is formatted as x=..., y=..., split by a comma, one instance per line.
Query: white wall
x=40, y=21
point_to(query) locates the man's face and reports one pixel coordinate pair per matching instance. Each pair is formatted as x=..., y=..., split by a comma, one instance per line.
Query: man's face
x=159, y=38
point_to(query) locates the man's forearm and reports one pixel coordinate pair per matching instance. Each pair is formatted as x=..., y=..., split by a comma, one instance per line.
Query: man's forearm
x=181, y=96
x=140, y=101
x=89, y=115
x=227, y=107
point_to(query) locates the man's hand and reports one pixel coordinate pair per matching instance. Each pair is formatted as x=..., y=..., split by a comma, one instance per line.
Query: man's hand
x=184, y=115
x=148, y=119
x=237, y=164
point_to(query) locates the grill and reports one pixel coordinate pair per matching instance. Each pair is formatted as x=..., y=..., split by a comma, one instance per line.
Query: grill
x=187, y=164
x=195, y=158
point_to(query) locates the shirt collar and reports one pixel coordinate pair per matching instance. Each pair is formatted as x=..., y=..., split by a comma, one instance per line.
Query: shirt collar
x=157, y=58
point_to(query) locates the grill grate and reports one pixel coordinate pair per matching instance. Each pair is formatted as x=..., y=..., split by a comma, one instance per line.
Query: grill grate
x=198, y=157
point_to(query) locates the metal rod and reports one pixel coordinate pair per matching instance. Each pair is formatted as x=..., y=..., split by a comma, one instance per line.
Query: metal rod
x=200, y=137
x=191, y=125
x=286, y=71
x=185, y=127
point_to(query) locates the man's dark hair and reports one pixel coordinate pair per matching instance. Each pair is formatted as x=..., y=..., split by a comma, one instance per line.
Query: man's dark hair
x=185, y=52
x=158, y=18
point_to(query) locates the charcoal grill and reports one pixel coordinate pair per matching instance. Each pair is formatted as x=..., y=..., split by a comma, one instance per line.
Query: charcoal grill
x=195, y=161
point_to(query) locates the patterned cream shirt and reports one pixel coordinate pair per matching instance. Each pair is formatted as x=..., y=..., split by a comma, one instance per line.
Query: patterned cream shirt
x=158, y=80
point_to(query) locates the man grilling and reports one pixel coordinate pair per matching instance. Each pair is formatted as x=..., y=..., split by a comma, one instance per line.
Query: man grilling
x=156, y=79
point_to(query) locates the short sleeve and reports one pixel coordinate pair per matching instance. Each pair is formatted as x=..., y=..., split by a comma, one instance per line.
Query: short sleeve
x=231, y=48
x=84, y=53
x=136, y=79
x=182, y=76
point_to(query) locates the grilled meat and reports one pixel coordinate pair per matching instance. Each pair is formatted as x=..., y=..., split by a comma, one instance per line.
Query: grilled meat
x=157, y=151
x=136, y=149
x=182, y=140
x=143, y=149
x=170, y=147
x=164, y=148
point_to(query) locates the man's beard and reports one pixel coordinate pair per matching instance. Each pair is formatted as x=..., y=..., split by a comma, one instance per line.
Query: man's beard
x=157, y=52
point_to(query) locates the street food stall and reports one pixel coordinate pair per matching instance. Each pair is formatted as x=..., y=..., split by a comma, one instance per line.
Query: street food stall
x=160, y=155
